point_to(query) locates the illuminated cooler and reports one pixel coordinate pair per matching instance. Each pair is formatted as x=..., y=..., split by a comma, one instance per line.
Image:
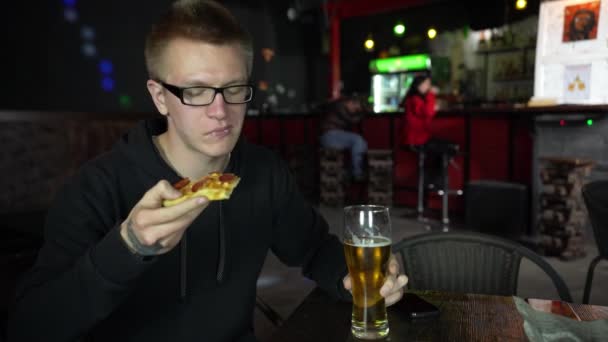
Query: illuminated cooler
x=391, y=78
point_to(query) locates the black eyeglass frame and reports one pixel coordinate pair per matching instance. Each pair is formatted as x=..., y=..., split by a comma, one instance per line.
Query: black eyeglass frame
x=179, y=92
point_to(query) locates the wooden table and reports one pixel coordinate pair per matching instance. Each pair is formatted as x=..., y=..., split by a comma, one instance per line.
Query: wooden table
x=464, y=317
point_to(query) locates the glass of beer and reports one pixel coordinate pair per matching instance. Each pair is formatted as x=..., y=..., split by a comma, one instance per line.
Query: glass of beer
x=367, y=246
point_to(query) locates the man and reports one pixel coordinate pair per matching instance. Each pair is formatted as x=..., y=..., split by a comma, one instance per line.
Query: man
x=118, y=266
x=338, y=118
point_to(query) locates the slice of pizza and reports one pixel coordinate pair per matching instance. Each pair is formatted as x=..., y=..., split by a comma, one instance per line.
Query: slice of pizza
x=215, y=186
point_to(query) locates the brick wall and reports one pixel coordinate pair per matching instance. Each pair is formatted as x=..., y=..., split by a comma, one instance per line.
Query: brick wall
x=574, y=140
x=37, y=157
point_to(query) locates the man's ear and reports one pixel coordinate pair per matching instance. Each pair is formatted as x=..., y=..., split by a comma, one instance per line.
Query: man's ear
x=158, y=96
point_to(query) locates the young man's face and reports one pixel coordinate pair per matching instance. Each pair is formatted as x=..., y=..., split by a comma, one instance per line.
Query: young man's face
x=211, y=130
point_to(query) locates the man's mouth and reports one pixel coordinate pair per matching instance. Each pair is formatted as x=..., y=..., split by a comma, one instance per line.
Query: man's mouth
x=219, y=132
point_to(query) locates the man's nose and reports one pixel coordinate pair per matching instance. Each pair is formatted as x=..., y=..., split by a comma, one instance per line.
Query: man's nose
x=217, y=108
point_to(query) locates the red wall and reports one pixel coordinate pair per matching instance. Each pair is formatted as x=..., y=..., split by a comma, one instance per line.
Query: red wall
x=487, y=154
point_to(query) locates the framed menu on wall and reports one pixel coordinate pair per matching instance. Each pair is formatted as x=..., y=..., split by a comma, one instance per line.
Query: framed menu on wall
x=577, y=79
x=581, y=21
x=572, y=52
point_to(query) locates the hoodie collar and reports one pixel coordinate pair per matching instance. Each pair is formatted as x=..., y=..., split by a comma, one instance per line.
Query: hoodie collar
x=140, y=150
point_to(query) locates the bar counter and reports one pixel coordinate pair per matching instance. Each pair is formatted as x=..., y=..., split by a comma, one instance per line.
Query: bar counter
x=496, y=143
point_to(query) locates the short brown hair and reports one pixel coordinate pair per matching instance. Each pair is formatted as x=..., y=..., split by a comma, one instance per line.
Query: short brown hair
x=202, y=20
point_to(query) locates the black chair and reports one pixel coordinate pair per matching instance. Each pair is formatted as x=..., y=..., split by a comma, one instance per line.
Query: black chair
x=595, y=195
x=268, y=311
x=469, y=262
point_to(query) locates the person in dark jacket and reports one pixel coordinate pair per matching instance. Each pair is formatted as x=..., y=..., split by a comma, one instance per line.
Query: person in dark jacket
x=118, y=266
x=338, y=118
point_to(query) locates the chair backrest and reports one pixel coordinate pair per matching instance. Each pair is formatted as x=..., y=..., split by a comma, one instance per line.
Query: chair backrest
x=595, y=195
x=470, y=263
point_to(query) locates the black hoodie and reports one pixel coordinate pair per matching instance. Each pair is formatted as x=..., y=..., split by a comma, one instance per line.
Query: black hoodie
x=86, y=283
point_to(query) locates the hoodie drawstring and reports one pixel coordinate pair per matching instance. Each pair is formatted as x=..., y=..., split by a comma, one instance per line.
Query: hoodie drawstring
x=221, y=264
x=183, y=275
x=222, y=248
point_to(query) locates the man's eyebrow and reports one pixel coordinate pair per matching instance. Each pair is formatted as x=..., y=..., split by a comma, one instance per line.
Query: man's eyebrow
x=197, y=83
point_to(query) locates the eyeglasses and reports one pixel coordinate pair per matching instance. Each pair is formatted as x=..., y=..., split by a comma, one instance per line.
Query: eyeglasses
x=204, y=96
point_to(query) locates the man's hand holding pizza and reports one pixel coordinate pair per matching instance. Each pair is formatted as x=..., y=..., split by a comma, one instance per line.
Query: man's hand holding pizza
x=158, y=221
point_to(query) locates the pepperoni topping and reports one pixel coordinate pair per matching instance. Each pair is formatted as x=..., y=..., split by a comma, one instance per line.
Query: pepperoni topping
x=182, y=183
x=227, y=177
x=196, y=187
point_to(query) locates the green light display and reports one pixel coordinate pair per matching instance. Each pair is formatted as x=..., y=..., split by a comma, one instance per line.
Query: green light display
x=400, y=63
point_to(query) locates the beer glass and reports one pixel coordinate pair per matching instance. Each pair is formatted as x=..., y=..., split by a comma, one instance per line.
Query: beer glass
x=367, y=247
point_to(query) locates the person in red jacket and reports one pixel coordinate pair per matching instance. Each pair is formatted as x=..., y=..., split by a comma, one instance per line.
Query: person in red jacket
x=419, y=105
x=420, y=109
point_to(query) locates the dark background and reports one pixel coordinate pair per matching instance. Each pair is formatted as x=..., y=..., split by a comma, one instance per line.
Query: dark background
x=45, y=68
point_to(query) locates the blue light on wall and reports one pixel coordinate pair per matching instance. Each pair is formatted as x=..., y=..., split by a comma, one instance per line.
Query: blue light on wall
x=70, y=15
x=107, y=84
x=87, y=33
x=105, y=67
x=89, y=50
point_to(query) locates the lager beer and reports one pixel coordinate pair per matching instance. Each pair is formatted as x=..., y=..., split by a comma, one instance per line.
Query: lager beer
x=367, y=248
x=367, y=263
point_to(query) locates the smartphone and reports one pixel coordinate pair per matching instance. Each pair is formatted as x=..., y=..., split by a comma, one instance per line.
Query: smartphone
x=415, y=307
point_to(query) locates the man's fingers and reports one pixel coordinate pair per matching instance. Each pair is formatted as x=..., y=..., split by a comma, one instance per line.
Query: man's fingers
x=389, y=284
x=392, y=285
x=393, y=265
x=171, y=240
x=392, y=290
x=164, y=232
x=393, y=298
x=347, y=283
x=402, y=280
x=154, y=197
x=151, y=217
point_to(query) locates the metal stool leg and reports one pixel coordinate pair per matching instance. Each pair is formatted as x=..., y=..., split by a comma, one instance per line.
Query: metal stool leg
x=587, y=292
x=445, y=220
x=421, y=157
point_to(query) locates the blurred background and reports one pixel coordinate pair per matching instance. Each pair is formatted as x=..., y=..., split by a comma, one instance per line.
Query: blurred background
x=75, y=55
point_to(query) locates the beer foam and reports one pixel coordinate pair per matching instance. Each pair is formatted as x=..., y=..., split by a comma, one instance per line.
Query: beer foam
x=374, y=241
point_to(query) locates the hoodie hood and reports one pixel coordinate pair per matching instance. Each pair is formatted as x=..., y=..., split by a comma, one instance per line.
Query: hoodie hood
x=140, y=149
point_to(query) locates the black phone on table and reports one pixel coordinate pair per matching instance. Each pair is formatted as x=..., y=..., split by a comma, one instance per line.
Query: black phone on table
x=415, y=307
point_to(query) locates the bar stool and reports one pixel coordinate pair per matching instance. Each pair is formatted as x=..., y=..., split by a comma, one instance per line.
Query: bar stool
x=448, y=151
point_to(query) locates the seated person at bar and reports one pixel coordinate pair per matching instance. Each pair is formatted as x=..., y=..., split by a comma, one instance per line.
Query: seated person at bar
x=117, y=265
x=338, y=117
x=420, y=108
